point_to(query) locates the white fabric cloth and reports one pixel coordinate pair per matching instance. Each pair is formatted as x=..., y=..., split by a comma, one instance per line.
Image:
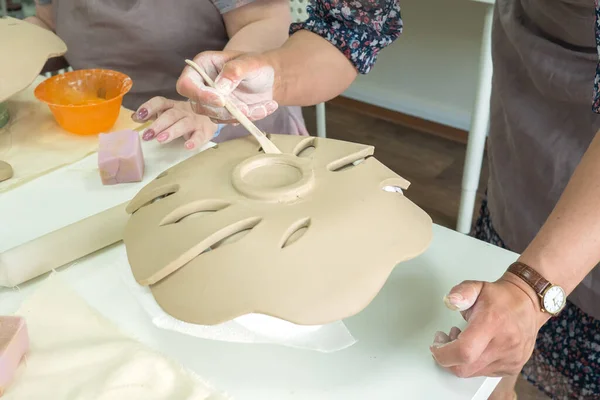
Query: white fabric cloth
x=77, y=354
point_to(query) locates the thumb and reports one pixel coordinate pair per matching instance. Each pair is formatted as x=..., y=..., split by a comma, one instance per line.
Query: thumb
x=237, y=70
x=463, y=296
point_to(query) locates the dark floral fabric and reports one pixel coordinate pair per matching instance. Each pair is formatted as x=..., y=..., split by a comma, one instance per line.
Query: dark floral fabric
x=566, y=361
x=596, y=106
x=358, y=28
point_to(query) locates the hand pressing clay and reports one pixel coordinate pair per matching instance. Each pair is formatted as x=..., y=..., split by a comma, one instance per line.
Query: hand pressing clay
x=120, y=157
x=6, y=171
x=14, y=343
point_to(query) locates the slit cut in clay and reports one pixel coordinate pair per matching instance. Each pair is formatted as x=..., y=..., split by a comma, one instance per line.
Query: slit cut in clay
x=295, y=232
x=306, y=147
x=339, y=166
x=224, y=236
x=162, y=196
x=158, y=194
x=392, y=189
x=194, y=210
x=236, y=236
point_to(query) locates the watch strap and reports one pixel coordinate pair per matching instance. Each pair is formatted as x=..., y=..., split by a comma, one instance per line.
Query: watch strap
x=530, y=276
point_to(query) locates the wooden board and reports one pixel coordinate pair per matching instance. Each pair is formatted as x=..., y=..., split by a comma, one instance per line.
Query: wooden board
x=34, y=144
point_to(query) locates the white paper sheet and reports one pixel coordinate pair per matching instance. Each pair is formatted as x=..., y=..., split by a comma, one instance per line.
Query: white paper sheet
x=77, y=354
x=250, y=328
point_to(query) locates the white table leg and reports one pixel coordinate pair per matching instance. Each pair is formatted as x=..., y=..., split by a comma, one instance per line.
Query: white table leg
x=478, y=132
x=321, y=132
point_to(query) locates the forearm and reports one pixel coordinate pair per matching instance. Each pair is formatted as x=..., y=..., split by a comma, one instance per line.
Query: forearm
x=259, y=36
x=567, y=247
x=309, y=70
x=44, y=16
x=37, y=21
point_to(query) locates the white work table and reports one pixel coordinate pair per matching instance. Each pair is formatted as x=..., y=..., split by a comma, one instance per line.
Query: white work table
x=391, y=359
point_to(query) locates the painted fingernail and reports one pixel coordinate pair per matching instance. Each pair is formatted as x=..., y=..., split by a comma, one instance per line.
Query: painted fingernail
x=142, y=114
x=456, y=302
x=162, y=137
x=149, y=134
x=189, y=145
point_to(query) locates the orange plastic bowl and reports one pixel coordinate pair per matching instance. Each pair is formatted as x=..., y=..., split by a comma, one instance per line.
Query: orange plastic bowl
x=85, y=102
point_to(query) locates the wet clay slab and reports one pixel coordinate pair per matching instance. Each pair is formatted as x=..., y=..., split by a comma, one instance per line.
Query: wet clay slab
x=27, y=48
x=309, y=236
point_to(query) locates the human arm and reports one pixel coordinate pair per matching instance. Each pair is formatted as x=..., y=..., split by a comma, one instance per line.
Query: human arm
x=257, y=26
x=44, y=18
x=319, y=61
x=44, y=15
x=504, y=317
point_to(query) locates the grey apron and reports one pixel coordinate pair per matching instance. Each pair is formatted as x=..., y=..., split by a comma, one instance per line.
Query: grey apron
x=541, y=120
x=149, y=41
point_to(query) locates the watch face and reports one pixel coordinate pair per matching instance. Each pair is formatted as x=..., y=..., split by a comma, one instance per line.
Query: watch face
x=554, y=299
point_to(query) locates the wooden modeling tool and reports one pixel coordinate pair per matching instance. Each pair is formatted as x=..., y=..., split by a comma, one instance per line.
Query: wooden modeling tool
x=268, y=146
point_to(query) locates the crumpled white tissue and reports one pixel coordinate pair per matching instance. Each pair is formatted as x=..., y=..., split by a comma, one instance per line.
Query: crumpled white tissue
x=250, y=328
x=77, y=354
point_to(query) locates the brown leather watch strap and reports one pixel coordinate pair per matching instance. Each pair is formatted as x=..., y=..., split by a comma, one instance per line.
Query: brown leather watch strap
x=530, y=276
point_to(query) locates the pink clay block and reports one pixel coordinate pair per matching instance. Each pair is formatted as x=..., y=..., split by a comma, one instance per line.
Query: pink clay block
x=120, y=157
x=14, y=343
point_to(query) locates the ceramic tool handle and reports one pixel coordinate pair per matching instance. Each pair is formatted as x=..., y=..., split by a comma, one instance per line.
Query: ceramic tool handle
x=263, y=140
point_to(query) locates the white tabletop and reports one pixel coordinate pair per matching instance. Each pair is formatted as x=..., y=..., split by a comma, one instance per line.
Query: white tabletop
x=391, y=359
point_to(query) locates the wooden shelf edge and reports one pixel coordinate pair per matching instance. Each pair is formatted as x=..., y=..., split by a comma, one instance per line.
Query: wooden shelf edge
x=416, y=123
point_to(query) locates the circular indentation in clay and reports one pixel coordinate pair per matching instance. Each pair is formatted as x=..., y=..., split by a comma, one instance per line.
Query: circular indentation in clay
x=276, y=177
x=270, y=176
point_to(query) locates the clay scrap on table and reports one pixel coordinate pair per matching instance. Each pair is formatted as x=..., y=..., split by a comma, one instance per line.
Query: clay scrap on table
x=120, y=157
x=28, y=49
x=309, y=236
x=14, y=344
x=6, y=171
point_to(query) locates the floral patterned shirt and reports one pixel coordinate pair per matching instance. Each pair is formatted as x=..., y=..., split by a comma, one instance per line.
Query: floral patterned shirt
x=596, y=106
x=358, y=28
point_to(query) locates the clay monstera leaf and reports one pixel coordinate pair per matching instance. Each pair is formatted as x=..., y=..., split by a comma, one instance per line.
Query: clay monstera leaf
x=25, y=48
x=309, y=236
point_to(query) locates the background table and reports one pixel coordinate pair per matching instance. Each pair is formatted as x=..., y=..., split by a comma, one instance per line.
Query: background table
x=390, y=361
